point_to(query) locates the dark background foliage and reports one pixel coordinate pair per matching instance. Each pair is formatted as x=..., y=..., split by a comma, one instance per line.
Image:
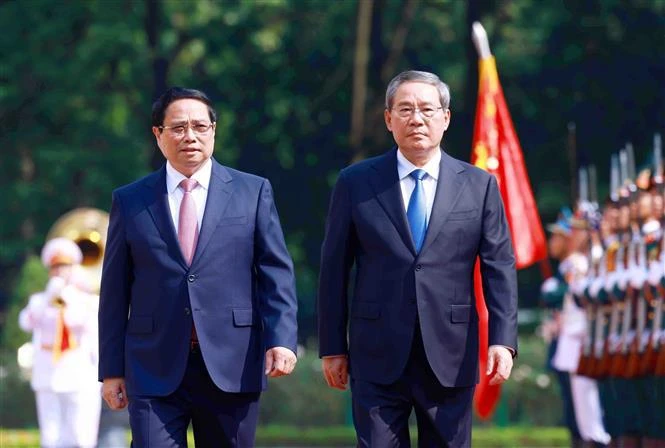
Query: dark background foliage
x=299, y=88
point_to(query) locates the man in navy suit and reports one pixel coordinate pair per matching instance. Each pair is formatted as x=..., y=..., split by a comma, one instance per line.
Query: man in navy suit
x=413, y=221
x=198, y=299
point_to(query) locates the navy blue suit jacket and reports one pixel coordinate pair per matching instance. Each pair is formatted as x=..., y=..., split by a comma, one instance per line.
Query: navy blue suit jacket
x=239, y=290
x=367, y=227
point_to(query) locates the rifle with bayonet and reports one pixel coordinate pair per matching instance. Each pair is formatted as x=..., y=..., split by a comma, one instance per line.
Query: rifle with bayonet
x=623, y=291
x=588, y=205
x=654, y=287
x=638, y=278
x=611, y=307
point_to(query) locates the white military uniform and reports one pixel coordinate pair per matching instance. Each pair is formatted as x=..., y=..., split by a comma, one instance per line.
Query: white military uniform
x=65, y=383
x=586, y=401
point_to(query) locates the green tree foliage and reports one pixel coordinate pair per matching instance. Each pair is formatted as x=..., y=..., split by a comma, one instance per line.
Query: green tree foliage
x=77, y=80
x=70, y=127
x=32, y=278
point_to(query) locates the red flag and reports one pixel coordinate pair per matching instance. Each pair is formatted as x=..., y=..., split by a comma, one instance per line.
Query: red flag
x=496, y=149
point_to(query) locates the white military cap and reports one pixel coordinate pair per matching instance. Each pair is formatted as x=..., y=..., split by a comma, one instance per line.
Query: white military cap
x=61, y=251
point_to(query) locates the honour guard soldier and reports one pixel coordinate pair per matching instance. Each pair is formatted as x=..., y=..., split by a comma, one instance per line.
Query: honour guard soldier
x=586, y=401
x=610, y=316
x=620, y=283
x=553, y=291
x=62, y=320
x=651, y=387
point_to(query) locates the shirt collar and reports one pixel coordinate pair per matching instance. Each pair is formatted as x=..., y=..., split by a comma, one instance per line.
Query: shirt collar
x=174, y=177
x=404, y=167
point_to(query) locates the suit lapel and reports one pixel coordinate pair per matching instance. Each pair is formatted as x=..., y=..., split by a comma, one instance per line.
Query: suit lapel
x=219, y=192
x=448, y=190
x=385, y=181
x=156, y=199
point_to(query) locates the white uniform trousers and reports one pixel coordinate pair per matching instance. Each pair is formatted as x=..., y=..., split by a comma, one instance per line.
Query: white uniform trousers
x=588, y=413
x=68, y=419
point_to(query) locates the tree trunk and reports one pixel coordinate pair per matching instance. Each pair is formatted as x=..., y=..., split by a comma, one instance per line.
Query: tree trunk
x=27, y=176
x=467, y=118
x=399, y=40
x=360, y=64
x=388, y=61
x=159, y=66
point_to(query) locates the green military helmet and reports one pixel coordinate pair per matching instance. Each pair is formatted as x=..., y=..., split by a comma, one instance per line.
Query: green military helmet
x=562, y=224
x=554, y=288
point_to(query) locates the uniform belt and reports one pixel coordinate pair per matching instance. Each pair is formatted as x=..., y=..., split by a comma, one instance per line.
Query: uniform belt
x=47, y=347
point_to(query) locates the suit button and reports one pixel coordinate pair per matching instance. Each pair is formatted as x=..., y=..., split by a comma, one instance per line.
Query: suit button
x=187, y=311
x=191, y=278
x=419, y=267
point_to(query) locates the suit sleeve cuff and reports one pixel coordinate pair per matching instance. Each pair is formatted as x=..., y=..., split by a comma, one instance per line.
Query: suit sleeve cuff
x=512, y=351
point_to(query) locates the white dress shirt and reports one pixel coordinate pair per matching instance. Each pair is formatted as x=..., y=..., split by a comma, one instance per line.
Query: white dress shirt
x=408, y=183
x=200, y=193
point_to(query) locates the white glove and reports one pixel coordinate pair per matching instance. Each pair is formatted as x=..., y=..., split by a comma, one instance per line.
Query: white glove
x=610, y=281
x=54, y=287
x=550, y=285
x=579, y=286
x=622, y=279
x=655, y=273
x=637, y=277
x=595, y=287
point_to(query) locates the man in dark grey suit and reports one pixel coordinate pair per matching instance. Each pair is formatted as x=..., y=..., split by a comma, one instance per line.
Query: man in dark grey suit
x=413, y=221
x=198, y=296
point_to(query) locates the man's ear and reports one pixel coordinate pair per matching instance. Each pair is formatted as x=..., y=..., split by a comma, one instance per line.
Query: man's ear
x=447, y=115
x=157, y=133
x=388, y=118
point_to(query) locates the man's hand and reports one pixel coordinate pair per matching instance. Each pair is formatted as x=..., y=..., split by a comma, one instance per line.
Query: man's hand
x=280, y=361
x=114, y=393
x=499, y=363
x=336, y=371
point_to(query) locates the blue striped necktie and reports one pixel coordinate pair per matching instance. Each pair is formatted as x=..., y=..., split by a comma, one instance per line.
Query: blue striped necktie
x=416, y=212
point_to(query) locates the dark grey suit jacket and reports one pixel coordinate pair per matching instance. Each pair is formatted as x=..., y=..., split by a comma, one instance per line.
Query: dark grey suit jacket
x=367, y=227
x=239, y=290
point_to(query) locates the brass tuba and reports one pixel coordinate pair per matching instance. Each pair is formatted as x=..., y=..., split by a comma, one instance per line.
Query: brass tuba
x=87, y=227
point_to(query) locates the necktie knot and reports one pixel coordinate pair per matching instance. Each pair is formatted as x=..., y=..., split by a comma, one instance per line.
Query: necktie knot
x=418, y=174
x=188, y=184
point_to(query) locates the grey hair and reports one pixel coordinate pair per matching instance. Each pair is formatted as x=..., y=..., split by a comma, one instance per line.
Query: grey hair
x=416, y=76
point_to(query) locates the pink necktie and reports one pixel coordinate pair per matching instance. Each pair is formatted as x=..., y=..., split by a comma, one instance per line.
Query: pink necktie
x=188, y=226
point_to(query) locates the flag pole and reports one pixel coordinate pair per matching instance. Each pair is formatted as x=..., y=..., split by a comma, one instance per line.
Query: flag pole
x=479, y=36
x=481, y=42
x=496, y=149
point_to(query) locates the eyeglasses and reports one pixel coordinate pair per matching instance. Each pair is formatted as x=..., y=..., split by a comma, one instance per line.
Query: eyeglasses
x=425, y=112
x=197, y=128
